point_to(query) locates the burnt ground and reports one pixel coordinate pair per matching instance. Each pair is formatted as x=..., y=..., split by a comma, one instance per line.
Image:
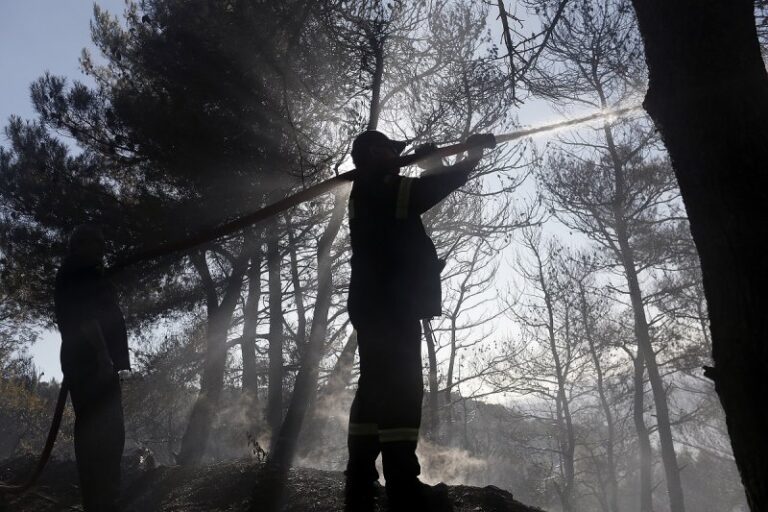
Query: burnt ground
x=224, y=486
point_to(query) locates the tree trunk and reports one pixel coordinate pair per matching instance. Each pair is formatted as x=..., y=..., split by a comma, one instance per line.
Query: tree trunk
x=626, y=256
x=270, y=490
x=341, y=374
x=448, y=431
x=708, y=95
x=643, y=437
x=250, y=385
x=377, y=46
x=250, y=322
x=306, y=381
x=195, y=439
x=434, y=398
x=274, y=411
x=467, y=443
x=610, y=442
x=566, y=438
x=298, y=291
x=567, y=434
x=645, y=349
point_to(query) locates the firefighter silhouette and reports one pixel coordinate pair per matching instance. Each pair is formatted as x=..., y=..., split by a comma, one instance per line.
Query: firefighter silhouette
x=395, y=283
x=94, y=348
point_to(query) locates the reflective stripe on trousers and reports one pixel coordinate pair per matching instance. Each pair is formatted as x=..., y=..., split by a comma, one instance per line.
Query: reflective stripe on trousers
x=387, y=435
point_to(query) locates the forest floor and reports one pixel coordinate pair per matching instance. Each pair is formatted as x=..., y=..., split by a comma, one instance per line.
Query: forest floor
x=224, y=486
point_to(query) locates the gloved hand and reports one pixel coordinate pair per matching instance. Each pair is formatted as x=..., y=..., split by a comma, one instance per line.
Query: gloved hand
x=483, y=140
x=422, y=153
x=478, y=142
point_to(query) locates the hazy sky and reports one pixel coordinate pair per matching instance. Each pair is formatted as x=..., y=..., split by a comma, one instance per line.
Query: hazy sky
x=38, y=36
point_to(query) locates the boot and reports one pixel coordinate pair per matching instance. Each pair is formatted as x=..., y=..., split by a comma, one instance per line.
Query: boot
x=416, y=496
x=405, y=493
x=360, y=496
x=362, y=480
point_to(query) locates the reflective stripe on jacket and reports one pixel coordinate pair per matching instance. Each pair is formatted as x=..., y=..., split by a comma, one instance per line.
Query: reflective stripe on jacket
x=395, y=268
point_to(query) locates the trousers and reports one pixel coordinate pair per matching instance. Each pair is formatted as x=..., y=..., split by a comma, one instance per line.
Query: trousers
x=99, y=441
x=386, y=412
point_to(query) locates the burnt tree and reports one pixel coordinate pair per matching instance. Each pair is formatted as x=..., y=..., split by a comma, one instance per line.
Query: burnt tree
x=708, y=95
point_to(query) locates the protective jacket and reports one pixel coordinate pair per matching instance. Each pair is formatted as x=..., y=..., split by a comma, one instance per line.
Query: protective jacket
x=83, y=294
x=395, y=267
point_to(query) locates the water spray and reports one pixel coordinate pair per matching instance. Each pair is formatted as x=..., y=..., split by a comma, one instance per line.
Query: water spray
x=347, y=177
x=454, y=149
x=603, y=114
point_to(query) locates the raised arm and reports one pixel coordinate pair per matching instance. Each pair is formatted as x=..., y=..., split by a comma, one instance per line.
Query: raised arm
x=429, y=190
x=437, y=181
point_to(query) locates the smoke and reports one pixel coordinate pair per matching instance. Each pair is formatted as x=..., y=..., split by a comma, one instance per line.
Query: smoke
x=324, y=441
x=239, y=430
x=448, y=464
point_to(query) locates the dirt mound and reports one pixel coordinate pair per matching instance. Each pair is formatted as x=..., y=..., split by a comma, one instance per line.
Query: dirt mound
x=224, y=486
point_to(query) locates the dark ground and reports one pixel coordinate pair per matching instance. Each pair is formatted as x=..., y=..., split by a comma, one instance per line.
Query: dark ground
x=224, y=486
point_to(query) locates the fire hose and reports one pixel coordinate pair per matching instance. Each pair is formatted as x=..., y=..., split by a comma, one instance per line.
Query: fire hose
x=332, y=183
x=265, y=213
x=58, y=412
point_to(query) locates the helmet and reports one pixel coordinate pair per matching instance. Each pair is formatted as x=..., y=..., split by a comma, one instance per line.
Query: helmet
x=370, y=139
